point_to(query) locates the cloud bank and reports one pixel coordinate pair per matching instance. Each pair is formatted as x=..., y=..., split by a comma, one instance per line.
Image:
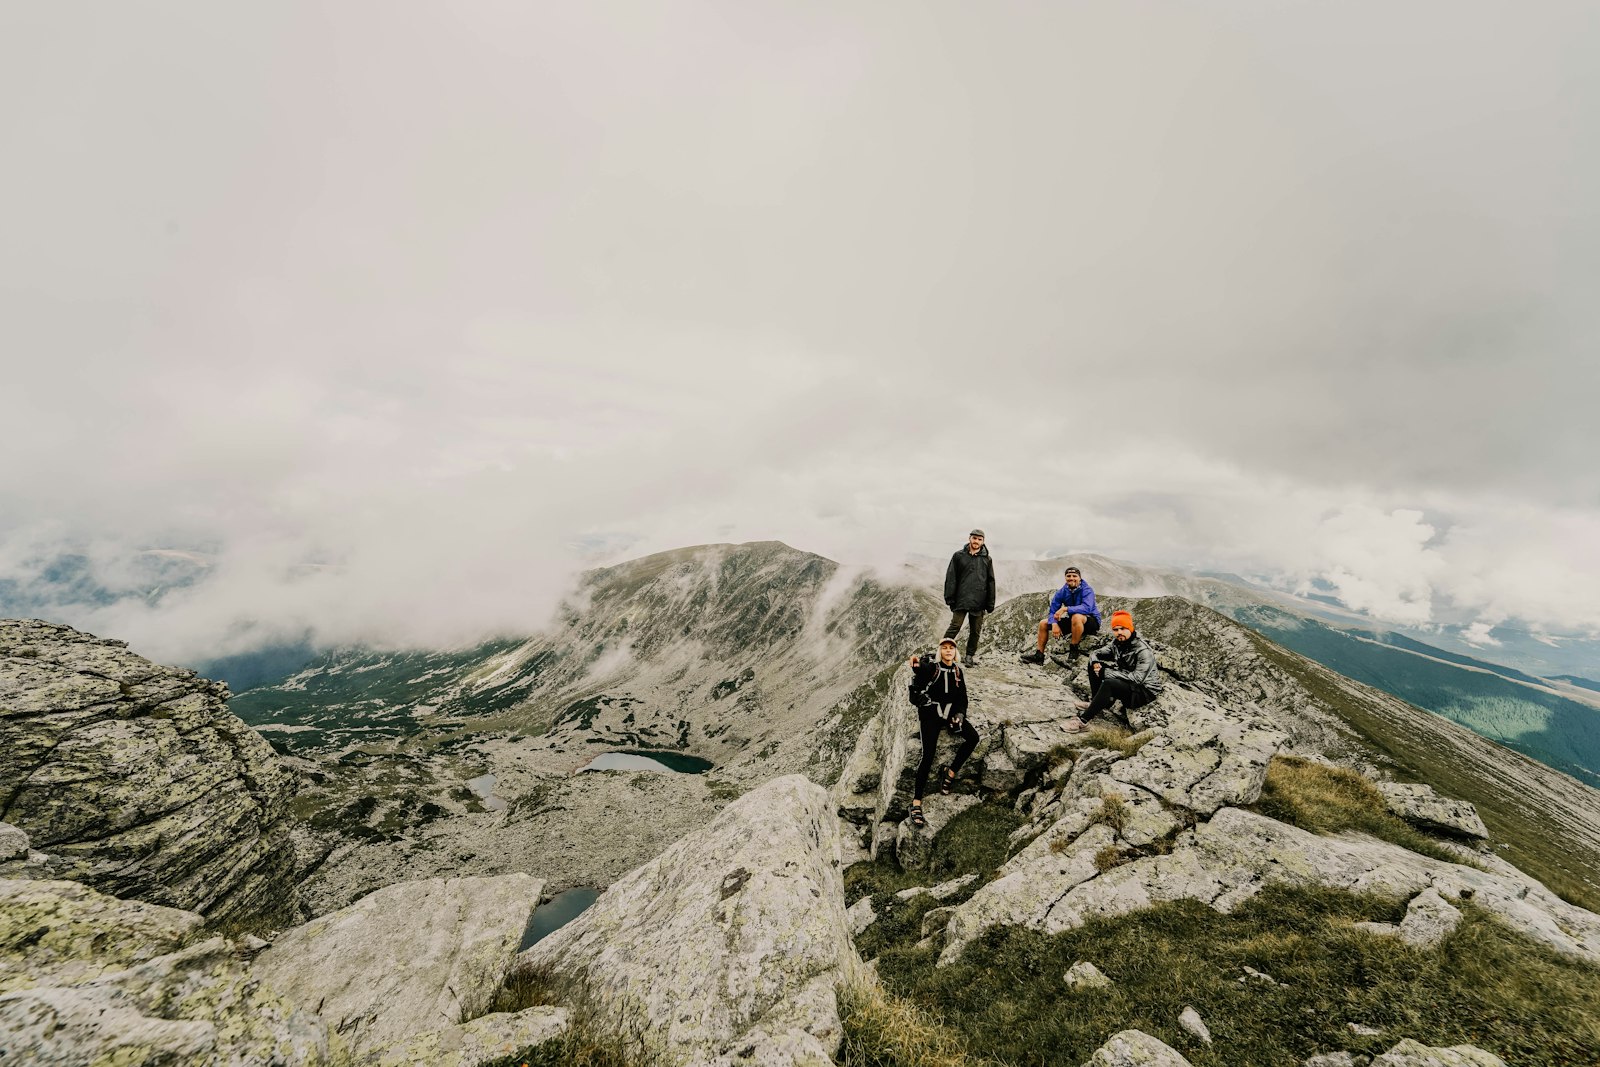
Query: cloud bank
x=398, y=321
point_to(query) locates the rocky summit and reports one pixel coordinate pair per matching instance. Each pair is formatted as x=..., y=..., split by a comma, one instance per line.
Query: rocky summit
x=1255, y=868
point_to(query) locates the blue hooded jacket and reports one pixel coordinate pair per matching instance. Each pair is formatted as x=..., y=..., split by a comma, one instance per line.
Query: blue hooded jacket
x=1079, y=600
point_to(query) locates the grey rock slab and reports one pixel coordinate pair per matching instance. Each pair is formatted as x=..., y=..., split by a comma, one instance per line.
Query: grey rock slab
x=914, y=845
x=1135, y=1048
x=13, y=842
x=404, y=960
x=942, y=891
x=1409, y=1053
x=1338, y=1059
x=64, y=933
x=861, y=915
x=1085, y=975
x=1029, y=744
x=1193, y=1024
x=1026, y=895
x=194, y=1006
x=1421, y=806
x=1429, y=919
x=1204, y=760
x=733, y=938
x=1247, y=850
x=487, y=1038
x=999, y=772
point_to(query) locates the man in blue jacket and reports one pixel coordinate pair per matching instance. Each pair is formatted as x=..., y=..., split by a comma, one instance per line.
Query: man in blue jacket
x=1072, y=611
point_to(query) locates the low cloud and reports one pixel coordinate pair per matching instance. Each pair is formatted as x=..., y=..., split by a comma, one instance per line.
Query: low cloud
x=395, y=334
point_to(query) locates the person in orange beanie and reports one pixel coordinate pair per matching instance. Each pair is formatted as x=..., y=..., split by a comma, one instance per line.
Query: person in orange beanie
x=1123, y=669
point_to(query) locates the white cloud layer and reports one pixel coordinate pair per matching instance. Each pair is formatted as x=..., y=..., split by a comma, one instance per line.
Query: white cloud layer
x=390, y=313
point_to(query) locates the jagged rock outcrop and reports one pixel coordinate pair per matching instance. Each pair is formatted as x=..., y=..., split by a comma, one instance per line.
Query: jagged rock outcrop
x=729, y=946
x=114, y=982
x=1226, y=860
x=136, y=779
x=405, y=960
x=1420, y=805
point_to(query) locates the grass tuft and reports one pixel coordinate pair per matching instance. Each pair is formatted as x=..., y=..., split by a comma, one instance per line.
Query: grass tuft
x=1332, y=800
x=884, y=1031
x=1108, y=857
x=1113, y=812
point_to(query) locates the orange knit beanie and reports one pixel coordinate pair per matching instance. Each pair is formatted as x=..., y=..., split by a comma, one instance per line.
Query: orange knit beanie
x=1122, y=618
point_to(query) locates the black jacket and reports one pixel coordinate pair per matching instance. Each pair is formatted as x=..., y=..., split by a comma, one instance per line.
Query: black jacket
x=941, y=687
x=1133, y=659
x=969, y=581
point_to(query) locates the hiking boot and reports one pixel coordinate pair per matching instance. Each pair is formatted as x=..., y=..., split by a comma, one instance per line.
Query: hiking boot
x=1032, y=657
x=972, y=661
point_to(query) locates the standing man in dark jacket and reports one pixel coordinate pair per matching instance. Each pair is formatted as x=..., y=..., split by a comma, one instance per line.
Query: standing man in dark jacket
x=969, y=592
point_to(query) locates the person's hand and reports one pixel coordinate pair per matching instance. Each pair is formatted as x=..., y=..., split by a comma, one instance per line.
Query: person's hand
x=1095, y=666
x=1055, y=628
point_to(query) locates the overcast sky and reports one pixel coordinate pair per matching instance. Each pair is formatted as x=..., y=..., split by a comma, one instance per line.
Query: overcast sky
x=401, y=312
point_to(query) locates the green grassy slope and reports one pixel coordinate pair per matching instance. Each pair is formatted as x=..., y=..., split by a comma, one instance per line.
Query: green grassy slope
x=1557, y=732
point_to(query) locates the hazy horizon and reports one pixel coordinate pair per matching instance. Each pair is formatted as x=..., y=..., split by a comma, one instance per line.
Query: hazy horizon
x=403, y=314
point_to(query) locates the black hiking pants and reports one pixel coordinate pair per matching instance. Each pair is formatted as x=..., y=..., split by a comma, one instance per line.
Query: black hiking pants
x=1102, y=691
x=932, y=726
x=974, y=621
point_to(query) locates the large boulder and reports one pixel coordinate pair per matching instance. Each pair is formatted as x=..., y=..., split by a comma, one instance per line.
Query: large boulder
x=1426, y=809
x=729, y=946
x=407, y=959
x=137, y=779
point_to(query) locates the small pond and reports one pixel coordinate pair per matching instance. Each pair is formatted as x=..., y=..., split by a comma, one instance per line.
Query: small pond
x=648, y=760
x=483, y=785
x=555, y=913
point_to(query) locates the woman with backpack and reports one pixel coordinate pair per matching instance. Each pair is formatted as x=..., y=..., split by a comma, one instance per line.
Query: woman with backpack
x=939, y=690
